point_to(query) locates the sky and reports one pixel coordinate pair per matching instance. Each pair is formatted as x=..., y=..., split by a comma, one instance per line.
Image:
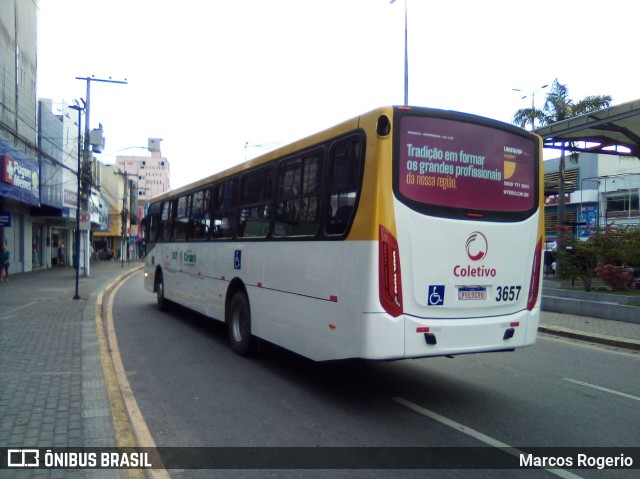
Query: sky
x=224, y=81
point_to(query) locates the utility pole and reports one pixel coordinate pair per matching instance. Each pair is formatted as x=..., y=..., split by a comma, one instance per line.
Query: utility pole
x=123, y=242
x=86, y=159
x=76, y=245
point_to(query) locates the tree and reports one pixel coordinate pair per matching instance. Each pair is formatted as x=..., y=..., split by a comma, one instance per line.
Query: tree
x=558, y=107
x=607, y=254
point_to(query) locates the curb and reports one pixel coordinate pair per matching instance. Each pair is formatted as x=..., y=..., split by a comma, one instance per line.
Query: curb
x=123, y=432
x=591, y=337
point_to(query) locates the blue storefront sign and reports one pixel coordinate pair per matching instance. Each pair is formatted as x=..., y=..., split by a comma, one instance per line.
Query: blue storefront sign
x=20, y=178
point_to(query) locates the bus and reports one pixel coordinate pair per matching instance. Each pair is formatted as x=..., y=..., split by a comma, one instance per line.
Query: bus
x=405, y=232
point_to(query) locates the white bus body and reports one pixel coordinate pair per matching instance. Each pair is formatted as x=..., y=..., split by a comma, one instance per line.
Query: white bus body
x=460, y=285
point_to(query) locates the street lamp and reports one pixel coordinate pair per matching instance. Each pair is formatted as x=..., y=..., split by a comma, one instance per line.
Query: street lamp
x=532, y=95
x=76, y=246
x=533, y=102
x=406, y=56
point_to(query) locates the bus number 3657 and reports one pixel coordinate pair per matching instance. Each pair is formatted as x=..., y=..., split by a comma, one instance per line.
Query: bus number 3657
x=508, y=293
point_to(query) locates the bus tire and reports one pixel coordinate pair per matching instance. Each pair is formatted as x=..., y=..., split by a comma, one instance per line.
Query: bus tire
x=239, y=325
x=163, y=303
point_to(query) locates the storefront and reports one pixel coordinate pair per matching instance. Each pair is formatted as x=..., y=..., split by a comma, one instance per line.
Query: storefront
x=19, y=191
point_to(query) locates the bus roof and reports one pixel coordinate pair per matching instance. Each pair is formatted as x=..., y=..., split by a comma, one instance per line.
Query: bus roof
x=306, y=142
x=311, y=140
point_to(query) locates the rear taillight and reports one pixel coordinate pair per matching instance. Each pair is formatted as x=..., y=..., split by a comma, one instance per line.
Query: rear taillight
x=389, y=273
x=534, y=287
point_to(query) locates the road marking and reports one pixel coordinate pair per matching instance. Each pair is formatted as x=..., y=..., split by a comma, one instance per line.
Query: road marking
x=476, y=435
x=600, y=388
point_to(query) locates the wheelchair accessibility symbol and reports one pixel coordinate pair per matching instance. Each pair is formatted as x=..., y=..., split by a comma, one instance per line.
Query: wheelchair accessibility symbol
x=436, y=295
x=237, y=259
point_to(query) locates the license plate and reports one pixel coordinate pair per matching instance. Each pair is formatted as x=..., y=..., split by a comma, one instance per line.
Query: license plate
x=472, y=294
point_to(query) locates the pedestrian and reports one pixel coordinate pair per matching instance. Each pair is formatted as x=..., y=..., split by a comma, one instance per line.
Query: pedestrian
x=4, y=264
x=61, y=254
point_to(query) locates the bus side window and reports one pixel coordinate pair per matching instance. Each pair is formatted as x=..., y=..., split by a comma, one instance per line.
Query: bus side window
x=200, y=216
x=299, y=196
x=255, y=203
x=165, y=222
x=181, y=218
x=151, y=224
x=152, y=227
x=344, y=178
x=224, y=219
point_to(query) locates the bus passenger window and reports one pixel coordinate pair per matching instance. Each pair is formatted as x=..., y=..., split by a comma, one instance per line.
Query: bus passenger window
x=255, y=204
x=299, y=196
x=200, y=216
x=152, y=228
x=151, y=223
x=165, y=225
x=225, y=212
x=344, y=178
x=181, y=219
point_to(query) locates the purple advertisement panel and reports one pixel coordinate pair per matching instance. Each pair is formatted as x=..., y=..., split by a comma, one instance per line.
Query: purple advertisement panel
x=464, y=165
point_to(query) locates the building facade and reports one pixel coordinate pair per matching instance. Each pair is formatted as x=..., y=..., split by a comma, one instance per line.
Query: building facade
x=150, y=175
x=20, y=172
x=600, y=190
x=40, y=150
x=115, y=236
x=150, y=172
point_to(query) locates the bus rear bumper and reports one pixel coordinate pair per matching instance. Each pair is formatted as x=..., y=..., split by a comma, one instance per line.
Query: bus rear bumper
x=443, y=337
x=412, y=337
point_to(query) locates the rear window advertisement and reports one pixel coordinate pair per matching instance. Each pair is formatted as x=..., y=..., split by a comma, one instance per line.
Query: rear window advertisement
x=464, y=165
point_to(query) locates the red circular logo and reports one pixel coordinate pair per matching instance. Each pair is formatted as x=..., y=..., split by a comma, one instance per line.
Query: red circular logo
x=477, y=246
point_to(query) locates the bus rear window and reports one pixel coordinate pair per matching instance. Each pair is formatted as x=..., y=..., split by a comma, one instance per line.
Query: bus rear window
x=463, y=165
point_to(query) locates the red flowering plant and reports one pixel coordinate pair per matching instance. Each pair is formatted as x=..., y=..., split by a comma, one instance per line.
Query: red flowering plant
x=616, y=277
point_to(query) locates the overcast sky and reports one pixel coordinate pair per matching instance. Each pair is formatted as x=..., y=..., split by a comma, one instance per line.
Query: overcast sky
x=210, y=76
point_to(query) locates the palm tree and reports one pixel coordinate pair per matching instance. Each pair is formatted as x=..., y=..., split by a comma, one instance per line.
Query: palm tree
x=558, y=107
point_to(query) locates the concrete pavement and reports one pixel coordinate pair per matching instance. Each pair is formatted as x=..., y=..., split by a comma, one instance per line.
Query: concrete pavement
x=52, y=386
x=602, y=331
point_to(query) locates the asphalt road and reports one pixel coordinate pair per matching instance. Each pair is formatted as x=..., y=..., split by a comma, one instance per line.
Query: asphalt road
x=193, y=390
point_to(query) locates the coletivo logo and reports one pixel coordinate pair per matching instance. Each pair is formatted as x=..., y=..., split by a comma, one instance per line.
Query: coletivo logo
x=477, y=246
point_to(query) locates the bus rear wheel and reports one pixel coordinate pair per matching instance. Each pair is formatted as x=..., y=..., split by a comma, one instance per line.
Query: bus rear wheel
x=239, y=325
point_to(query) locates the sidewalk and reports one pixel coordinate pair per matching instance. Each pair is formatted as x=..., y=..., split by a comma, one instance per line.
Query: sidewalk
x=602, y=331
x=52, y=390
x=573, y=321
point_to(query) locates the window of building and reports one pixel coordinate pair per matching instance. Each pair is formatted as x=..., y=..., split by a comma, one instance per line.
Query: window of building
x=625, y=204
